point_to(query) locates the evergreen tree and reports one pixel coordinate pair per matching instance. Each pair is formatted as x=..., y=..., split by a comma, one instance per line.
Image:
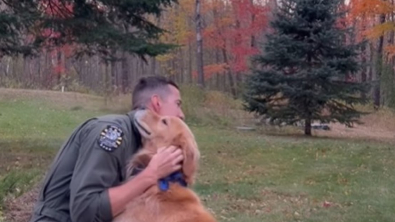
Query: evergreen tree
x=14, y=23
x=304, y=71
x=92, y=27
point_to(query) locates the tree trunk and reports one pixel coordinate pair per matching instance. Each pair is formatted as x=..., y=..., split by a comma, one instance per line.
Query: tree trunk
x=371, y=60
x=217, y=61
x=389, y=73
x=199, y=46
x=58, y=65
x=113, y=78
x=238, y=42
x=364, y=55
x=190, y=62
x=125, y=76
x=307, y=127
x=153, y=67
x=181, y=65
x=252, y=22
x=27, y=78
x=392, y=63
x=363, y=73
x=377, y=85
x=229, y=73
x=107, y=84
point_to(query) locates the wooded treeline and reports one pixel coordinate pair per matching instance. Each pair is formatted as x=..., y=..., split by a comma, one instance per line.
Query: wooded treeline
x=231, y=30
x=373, y=21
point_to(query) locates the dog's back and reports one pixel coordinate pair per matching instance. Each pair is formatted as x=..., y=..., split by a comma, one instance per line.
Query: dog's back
x=178, y=204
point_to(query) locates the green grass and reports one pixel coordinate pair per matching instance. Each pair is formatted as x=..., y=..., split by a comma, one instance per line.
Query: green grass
x=243, y=176
x=250, y=177
x=31, y=131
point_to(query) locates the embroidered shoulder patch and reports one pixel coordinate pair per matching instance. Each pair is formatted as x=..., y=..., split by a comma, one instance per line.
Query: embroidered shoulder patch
x=110, y=138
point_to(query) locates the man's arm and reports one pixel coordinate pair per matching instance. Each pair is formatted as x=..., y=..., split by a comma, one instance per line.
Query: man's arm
x=92, y=197
x=165, y=162
x=96, y=170
x=119, y=196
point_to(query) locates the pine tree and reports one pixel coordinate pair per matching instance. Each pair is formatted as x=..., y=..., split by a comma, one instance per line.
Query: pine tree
x=306, y=66
x=93, y=27
x=14, y=24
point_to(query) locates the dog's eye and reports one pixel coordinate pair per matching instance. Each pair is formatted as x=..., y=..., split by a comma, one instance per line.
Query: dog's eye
x=164, y=121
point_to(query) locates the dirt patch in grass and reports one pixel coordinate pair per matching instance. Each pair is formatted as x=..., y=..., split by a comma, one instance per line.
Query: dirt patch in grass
x=20, y=209
x=379, y=126
x=23, y=169
x=366, y=132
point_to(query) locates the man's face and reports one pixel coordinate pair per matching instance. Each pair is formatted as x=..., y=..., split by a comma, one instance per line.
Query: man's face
x=171, y=104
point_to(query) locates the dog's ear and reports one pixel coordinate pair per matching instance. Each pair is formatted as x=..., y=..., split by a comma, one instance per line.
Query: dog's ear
x=191, y=159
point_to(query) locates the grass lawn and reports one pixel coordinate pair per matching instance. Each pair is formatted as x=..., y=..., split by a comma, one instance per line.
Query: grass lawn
x=244, y=176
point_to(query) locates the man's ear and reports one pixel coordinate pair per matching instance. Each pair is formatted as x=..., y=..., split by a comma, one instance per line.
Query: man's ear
x=156, y=103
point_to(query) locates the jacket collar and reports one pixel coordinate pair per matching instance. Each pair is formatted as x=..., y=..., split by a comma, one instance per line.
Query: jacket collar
x=137, y=141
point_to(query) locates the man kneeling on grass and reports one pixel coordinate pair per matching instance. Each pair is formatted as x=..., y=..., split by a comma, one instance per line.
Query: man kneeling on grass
x=84, y=181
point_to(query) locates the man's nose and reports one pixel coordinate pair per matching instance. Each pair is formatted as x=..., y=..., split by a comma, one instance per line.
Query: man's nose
x=181, y=116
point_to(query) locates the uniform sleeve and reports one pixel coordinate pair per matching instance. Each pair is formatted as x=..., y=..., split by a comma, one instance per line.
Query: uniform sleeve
x=96, y=170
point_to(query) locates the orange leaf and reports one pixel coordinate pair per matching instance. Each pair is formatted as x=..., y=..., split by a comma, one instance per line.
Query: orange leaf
x=379, y=30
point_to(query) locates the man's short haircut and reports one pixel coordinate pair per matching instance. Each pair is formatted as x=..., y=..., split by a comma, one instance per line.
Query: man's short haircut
x=147, y=87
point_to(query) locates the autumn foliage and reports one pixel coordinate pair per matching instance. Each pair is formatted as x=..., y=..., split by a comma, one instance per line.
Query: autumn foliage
x=55, y=9
x=364, y=14
x=231, y=30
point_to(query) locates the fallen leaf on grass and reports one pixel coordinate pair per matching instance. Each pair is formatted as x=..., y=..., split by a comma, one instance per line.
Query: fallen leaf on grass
x=327, y=204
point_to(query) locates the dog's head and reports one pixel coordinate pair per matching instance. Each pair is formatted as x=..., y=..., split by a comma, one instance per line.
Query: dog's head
x=162, y=131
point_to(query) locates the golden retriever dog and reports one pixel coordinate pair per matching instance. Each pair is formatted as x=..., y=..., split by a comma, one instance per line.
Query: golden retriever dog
x=177, y=202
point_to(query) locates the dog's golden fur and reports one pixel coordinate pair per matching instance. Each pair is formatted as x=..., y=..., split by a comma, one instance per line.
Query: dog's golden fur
x=178, y=203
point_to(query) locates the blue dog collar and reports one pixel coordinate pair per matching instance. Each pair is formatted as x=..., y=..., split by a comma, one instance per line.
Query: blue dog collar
x=176, y=177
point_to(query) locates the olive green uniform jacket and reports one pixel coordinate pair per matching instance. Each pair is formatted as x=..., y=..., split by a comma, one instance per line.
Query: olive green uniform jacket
x=92, y=160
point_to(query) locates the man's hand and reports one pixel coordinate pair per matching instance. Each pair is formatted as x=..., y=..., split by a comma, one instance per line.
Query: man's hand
x=166, y=161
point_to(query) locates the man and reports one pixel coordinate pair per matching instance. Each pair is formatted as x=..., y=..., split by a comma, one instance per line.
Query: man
x=84, y=184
